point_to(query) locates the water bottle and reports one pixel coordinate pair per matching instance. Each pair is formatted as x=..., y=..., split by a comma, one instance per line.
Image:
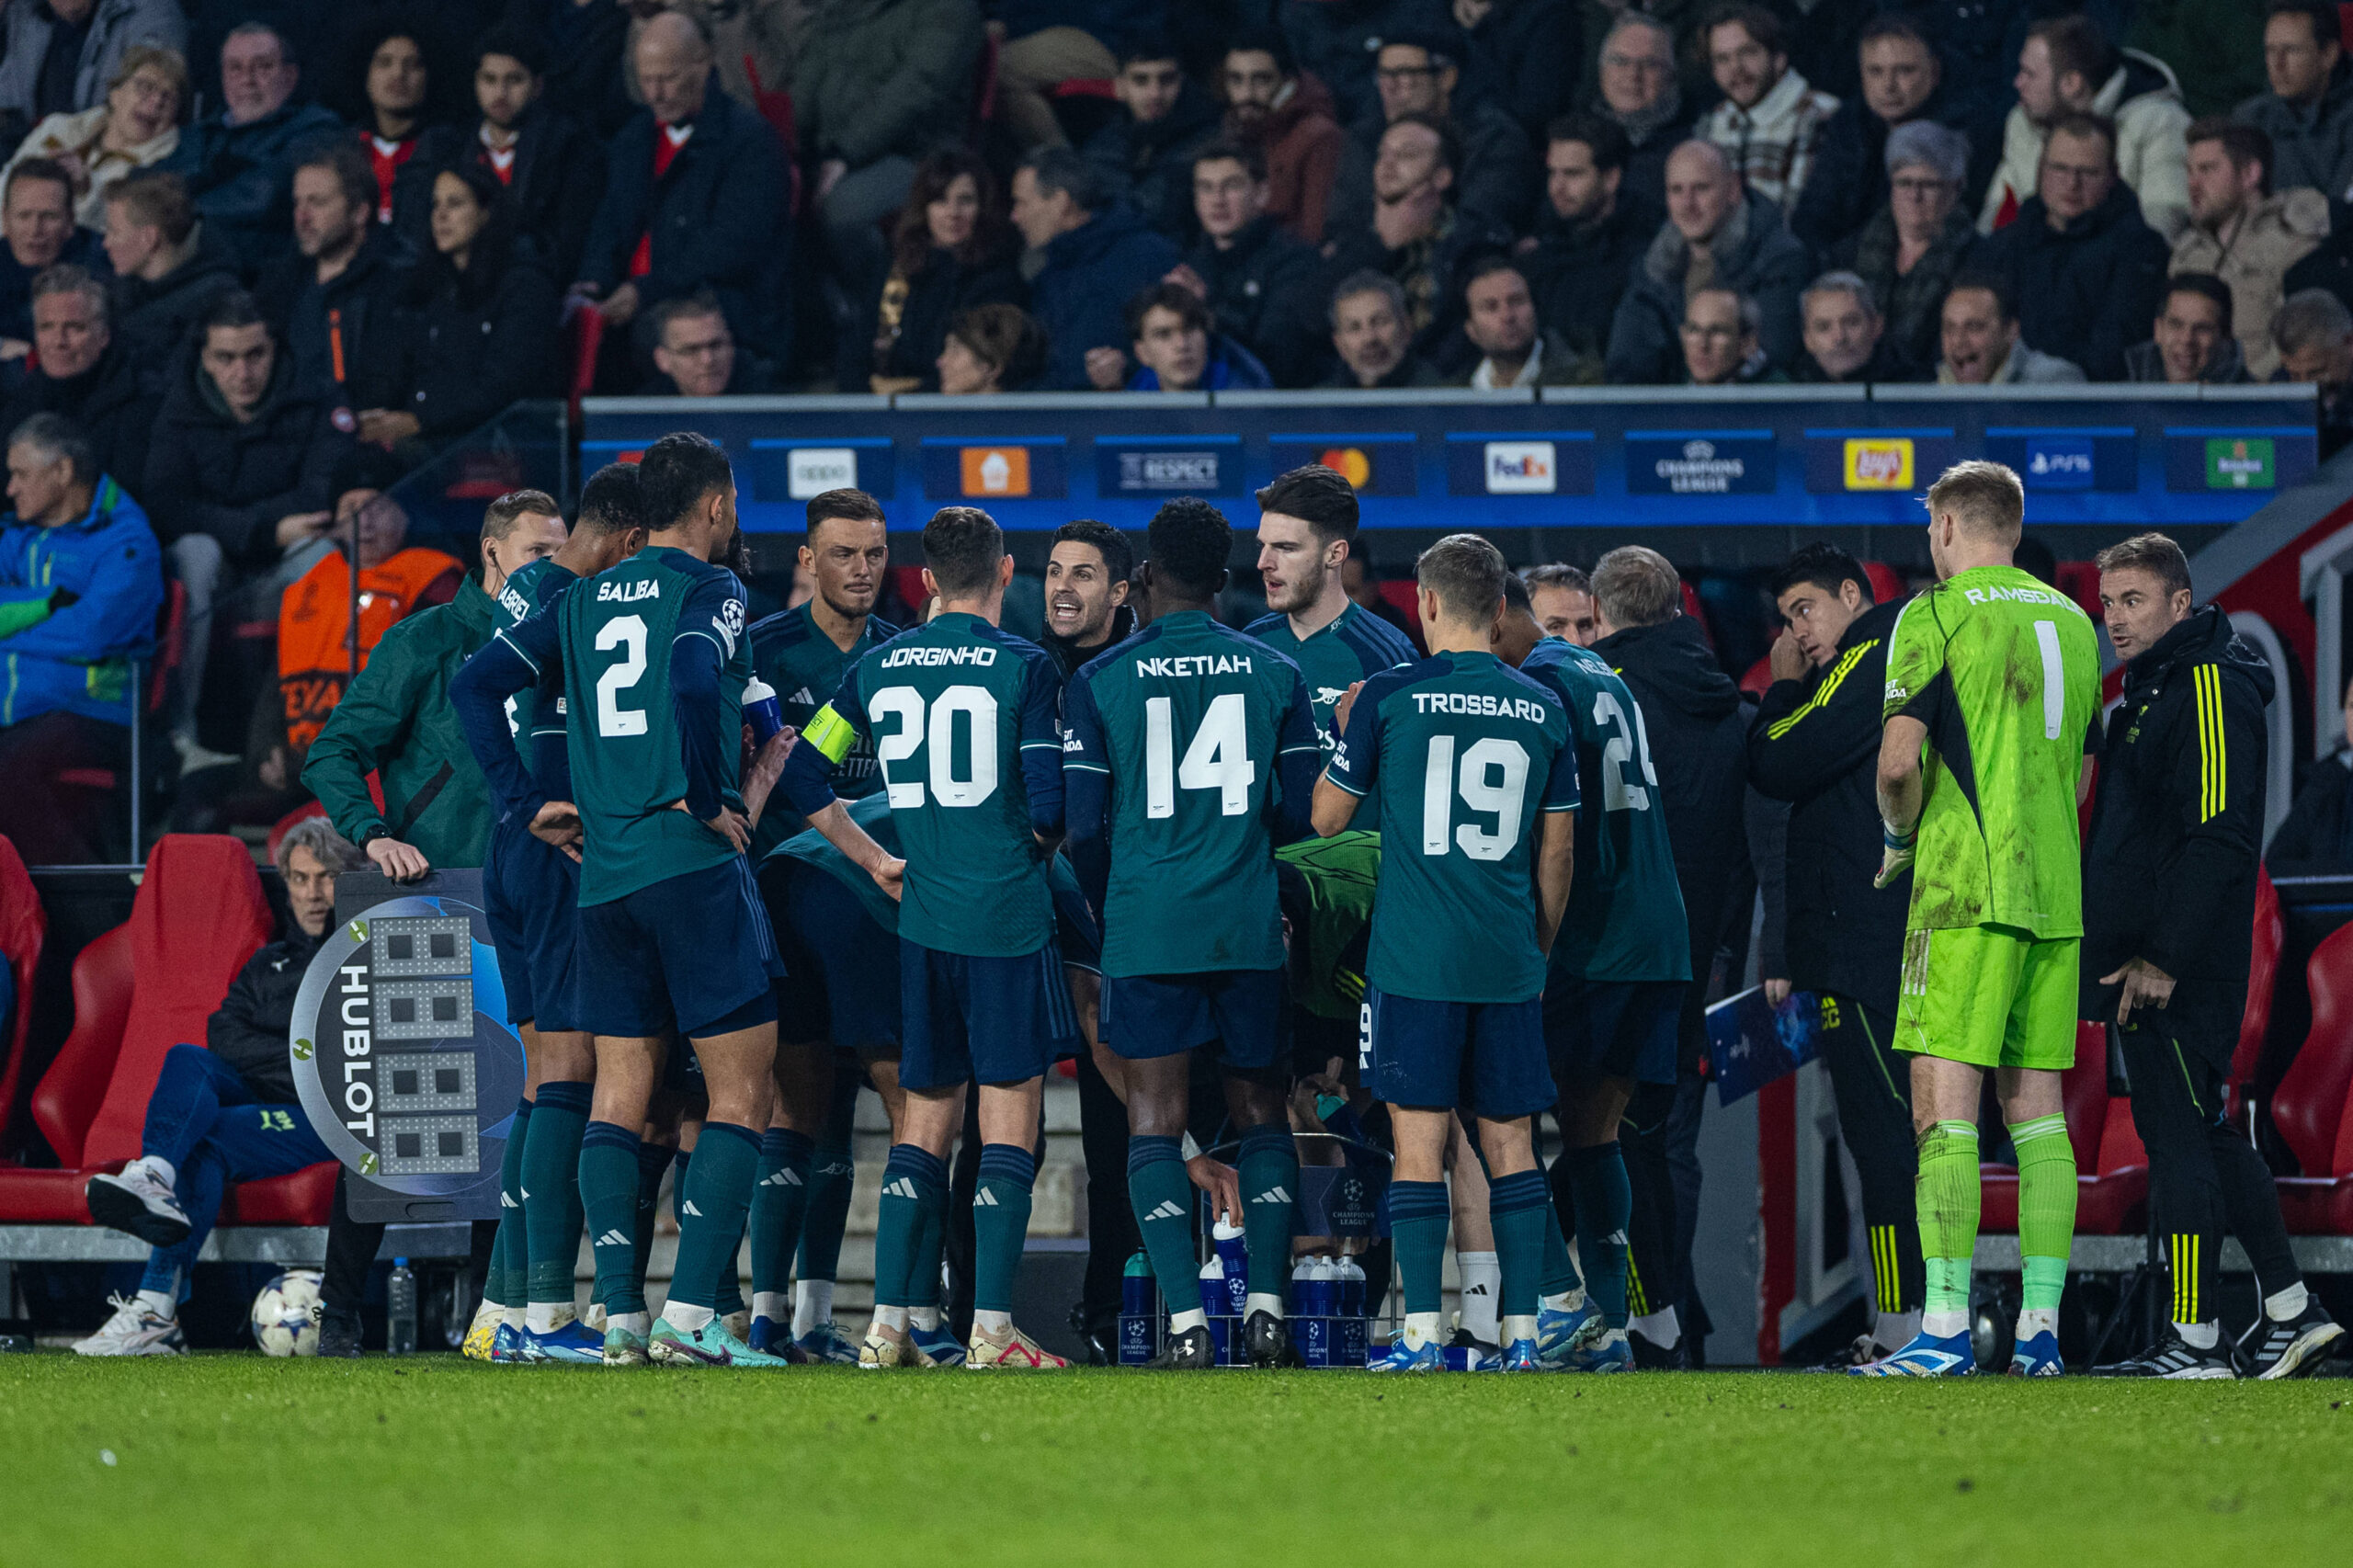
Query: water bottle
x=762, y=711
x=1214, y=1287
x=1138, y=1311
x=399, y=1311
x=1350, y=1348
x=1234, y=1259
x=1315, y=1322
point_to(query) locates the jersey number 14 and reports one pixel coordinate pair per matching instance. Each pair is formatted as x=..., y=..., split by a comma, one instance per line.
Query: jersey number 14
x=1218, y=758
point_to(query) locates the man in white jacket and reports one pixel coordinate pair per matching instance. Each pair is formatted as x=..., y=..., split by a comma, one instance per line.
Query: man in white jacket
x=2068, y=65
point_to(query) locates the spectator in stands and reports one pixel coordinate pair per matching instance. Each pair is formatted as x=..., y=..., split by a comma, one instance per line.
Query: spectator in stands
x=2315, y=838
x=1981, y=342
x=1719, y=338
x=1144, y=156
x=136, y=128
x=1590, y=234
x=395, y=81
x=1499, y=317
x=951, y=250
x=1257, y=280
x=2243, y=233
x=1417, y=235
x=1715, y=233
x=552, y=169
x=2313, y=332
x=478, y=322
x=2088, y=270
x=991, y=349
x=1096, y=256
x=1846, y=336
x=61, y=56
x=335, y=302
x=1372, y=334
x=1642, y=97
x=2308, y=113
x=84, y=375
x=239, y=164
x=2193, y=340
x=1360, y=579
x=1288, y=117
x=1902, y=81
x=1561, y=598
x=168, y=267
x=1912, y=248
x=36, y=222
x=1770, y=122
x=588, y=45
x=1417, y=74
x=2068, y=67
x=237, y=479
x=694, y=198
x=1042, y=42
x=80, y=586
x=1521, y=54
x=694, y=354
x=221, y=1112
x=1176, y=349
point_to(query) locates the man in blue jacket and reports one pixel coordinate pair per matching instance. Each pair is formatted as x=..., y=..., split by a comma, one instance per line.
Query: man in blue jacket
x=80, y=583
x=240, y=161
x=1097, y=256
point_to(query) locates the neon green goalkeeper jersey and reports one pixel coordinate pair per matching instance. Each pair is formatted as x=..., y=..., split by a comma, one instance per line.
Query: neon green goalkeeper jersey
x=2005, y=675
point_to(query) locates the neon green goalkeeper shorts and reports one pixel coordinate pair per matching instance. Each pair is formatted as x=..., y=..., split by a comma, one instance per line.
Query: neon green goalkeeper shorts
x=1989, y=995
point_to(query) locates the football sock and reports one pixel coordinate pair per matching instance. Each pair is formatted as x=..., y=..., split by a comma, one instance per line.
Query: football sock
x=774, y=1305
x=163, y=1170
x=833, y=1172
x=551, y=1190
x=923, y=1274
x=2288, y=1304
x=1605, y=1206
x=812, y=1304
x=1518, y=1206
x=710, y=1216
x=1418, y=1213
x=995, y=1323
x=1661, y=1327
x=1557, y=1275
x=779, y=1199
x=1946, y=1197
x=1895, y=1330
x=160, y=1303
x=506, y=1281
x=2046, y=1215
x=2199, y=1335
x=912, y=1178
x=924, y=1318
x=1480, y=1276
x=609, y=1175
x=652, y=1164
x=1000, y=1223
x=891, y=1317
x=1268, y=1168
x=1161, y=1196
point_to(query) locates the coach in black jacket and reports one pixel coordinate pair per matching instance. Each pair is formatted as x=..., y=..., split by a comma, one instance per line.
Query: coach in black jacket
x=2169, y=876
x=1815, y=744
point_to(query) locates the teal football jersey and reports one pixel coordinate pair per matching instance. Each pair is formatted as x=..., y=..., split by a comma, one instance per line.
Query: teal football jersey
x=1356, y=645
x=1469, y=753
x=805, y=667
x=537, y=716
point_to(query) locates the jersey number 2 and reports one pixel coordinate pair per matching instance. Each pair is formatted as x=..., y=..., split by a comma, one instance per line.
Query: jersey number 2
x=1480, y=792
x=906, y=704
x=1218, y=758
x=626, y=632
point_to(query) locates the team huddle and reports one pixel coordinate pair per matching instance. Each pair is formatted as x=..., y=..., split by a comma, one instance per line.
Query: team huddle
x=741, y=869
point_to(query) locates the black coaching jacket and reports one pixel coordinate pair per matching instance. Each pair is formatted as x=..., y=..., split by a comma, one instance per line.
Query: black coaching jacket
x=1815, y=744
x=2177, y=830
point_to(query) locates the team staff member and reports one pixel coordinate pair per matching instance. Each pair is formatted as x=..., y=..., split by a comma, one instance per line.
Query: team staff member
x=1815, y=743
x=2168, y=917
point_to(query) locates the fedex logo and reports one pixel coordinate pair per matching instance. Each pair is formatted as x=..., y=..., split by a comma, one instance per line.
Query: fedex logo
x=1521, y=468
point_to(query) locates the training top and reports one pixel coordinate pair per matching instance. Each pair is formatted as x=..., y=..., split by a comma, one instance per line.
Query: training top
x=1473, y=752
x=965, y=721
x=1328, y=887
x=1181, y=745
x=1356, y=645
x=538, y=716
x=2005, y=672
x=1625, y=919
x=801, y=662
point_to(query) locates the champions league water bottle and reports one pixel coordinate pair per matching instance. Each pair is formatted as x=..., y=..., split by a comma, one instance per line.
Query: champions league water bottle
x=1310, y=1310
x=1213, y=1304
x=1138, y=1313
x=1350, y=1350
x=1235, y=1259
x=762, y=711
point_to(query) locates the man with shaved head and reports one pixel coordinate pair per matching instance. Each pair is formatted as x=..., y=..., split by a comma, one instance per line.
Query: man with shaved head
x=1717, y=234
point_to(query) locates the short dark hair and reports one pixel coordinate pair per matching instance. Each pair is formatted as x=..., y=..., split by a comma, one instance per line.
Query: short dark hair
x=498, y=518
x=60, y=437
x=157, y=196
x=1148, y=46
x=1268, y=42
x=1118, y=555
x=1558, y=574
x=1005, y=337
x=48, y=169
x=1516, y=593
x=1188, y=542
x=2328, y=24
x=2077, y=43
x=519, y=44
x=2081, y=124
x=677, y=472
x=2242, y=144
x=1487, y=263
x=851, y=505
x=684, y=307
x=1603, y=137
x=1173, y=297
x=1059, y=168
x=1756, y=20
x=1450, y=140
x=1822, y=564
x=2206, y=286
x=2006, y=303
x=613, y=501
x=1319, y=496
x=353, y=173
x=1891, y=24
x=2154, y=553
x=234, y=307
x=1465, y=574
x=962, y=545
x=1252, y=159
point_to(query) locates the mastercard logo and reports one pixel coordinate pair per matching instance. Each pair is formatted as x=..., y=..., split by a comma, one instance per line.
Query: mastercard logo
x=1350, y=463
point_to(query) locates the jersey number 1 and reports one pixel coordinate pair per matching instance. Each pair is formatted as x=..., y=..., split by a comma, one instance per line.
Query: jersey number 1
x=1506, y=798
x=1218, y=758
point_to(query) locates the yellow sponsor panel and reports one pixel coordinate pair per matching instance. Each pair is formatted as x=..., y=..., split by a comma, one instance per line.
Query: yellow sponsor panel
x=1878, y=462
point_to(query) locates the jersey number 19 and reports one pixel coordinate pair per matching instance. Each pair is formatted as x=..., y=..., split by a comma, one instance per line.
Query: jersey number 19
x=1479, y=790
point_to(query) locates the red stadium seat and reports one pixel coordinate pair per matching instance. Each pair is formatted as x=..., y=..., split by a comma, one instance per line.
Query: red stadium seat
x=2262, y=979
x=2309, y=1107
x=302, y=813
x=1886, y=587
x=1759, y=678
x=24, y=929
x=2111, y=1167
x=142, y=987
x=583, y=335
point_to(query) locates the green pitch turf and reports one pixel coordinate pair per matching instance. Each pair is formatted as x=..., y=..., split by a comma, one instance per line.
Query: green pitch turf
x=236, y=1460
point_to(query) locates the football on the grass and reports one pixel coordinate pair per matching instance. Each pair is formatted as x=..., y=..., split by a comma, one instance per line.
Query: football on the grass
x=286, y=1314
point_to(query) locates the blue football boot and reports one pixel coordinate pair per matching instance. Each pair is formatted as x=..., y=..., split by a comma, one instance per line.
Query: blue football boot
x=1430, y=1358
x=575, y=1344
x=507, y=1346
x=942, y=1345
x=1519, y=1355
x=2038, y=1356
x=1609, y=1353
x=1559, y=1335
x=1929, y=1356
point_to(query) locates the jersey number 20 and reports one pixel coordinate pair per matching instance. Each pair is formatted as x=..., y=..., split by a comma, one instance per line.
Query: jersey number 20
x=906, y=704
x=1480, y=790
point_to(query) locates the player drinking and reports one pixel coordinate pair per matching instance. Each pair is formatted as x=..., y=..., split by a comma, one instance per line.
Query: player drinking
x=671, y=931
x=964, y=720
x=1478, y=834
x=1993, y=687
x=1183, y=741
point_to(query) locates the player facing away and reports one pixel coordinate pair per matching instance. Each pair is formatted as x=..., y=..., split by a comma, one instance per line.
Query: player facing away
x=1993, y=693
x=1183, y=743
x=1613, y=991
x=671, y=931
x=965, y=720
x=1478, y=832
x=531, y=894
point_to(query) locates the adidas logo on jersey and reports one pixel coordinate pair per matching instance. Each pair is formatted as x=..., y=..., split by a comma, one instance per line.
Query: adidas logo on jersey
x=803, y=695
x=615, y=1239
x=1272, y=1195
x=1167, y=1210
x=901, y=1187
x=782, y=1178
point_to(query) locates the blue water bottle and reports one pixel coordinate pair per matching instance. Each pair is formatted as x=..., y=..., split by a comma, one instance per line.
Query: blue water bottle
x=1212, y=1284
x=762, y=711
x=1235, y=1259
x=1349, y=1351
x=1138, y=1311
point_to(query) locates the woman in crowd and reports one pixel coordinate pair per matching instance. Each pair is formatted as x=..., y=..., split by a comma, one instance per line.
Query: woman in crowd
x=137, y=127
x=1913, y=247
x=991, y=349
x=951, y=249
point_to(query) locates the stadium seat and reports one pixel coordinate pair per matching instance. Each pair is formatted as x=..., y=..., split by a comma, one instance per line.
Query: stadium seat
x=2111, y=1167
x=2262, y=978
x=1886, y=587
x=285, y=825
x=142, y=987
x=24, y=928
x=2309, y=1107
x=582, y=336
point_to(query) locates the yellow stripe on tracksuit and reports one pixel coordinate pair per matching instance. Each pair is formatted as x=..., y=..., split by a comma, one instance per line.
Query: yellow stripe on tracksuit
x=1822, y=693
x=2213, y=755
x=2185, y=1280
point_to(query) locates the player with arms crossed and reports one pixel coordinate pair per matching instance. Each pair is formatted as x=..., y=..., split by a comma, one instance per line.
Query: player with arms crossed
x=1478, y=836
x=1993, y=687
x=1184, y=741
x=965, y=718
x=671, y=930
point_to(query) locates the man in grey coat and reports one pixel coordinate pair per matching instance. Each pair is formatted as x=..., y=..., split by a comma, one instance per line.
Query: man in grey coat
x=1716, y=235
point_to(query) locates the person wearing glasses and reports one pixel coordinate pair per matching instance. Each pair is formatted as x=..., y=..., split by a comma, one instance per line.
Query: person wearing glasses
x=1638, y=92
x=1419, y=74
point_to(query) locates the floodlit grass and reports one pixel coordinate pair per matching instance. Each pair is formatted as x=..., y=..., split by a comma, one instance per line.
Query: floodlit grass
x=235, y=1459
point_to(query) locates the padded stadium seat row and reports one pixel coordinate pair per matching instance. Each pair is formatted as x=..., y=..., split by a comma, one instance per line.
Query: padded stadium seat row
x=24, y=930
x=2310, y=1107
x=2111, y=1167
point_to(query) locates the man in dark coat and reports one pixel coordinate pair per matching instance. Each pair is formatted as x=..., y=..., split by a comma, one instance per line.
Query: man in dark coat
x=1903, y=81
x=1417, y=73
x=1258, y=282
x=336, y=302
x=1591, y=231
x=1144, y=156
x=239, y=162
x=2308, y=113
x=84, y=375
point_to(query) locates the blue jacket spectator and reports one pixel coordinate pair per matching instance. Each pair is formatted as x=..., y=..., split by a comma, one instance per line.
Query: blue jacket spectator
x=240, y=161
x=1173, y=338
x=1095, y=262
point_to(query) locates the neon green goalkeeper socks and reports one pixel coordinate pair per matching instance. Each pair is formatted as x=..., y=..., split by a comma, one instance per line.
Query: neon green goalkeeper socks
x=2046, y=1209
x=1947, y=1198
